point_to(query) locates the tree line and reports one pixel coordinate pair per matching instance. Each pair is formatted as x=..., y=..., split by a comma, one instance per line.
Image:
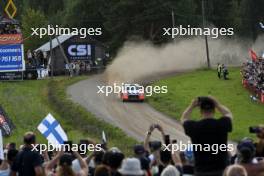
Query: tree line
x=125, y=19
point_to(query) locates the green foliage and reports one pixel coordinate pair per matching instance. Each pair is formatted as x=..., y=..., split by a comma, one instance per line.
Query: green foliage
x=123, y=20
x=33, y=19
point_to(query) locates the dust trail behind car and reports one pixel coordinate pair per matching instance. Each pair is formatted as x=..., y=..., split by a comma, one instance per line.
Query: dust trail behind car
x=142, y=59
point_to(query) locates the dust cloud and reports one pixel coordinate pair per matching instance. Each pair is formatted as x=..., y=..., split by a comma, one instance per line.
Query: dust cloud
x=136, y=60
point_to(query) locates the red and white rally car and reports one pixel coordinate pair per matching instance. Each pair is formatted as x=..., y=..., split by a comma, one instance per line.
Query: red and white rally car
x=132, y=92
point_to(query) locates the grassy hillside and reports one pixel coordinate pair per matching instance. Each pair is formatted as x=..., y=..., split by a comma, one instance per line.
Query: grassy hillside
x=183, y=88
x=28, y=102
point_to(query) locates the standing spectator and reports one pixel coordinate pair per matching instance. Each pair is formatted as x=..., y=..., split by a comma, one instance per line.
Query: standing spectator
x=225, y=72
x=102, y=170
x=219, y=70
x=65, y=165
x=28, y=162
x=208, y=131
x=246, y=157
x=113, y=159
x=141, y=154
x=235, y=170
x=170, y=171
x=29, y=57
x=131, y=167
x=77, y=68
x=9, y=157
x=260, y=144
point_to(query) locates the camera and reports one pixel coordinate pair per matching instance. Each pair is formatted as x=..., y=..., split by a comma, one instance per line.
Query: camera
x=254, y=129
x=155, y=145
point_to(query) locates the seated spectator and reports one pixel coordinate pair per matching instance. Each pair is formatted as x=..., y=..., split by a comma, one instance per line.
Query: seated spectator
x=131, y=167
x=235, y=170
x=27, y=162
x=208, y=131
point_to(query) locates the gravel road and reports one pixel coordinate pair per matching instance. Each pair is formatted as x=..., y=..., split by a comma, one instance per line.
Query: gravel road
x=132, y=117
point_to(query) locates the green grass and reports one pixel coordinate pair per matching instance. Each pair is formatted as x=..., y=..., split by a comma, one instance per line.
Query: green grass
x=183, y=88
x=28, y=102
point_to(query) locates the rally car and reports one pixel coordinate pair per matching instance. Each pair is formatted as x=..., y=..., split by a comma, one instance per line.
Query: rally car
x=132, y=92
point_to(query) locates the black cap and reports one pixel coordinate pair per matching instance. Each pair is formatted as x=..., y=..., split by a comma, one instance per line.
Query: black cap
x=139, y=149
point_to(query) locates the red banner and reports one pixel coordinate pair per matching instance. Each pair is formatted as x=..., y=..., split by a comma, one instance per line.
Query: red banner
x=10, y=39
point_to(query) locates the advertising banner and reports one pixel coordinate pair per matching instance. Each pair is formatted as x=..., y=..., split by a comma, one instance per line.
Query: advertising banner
x=79, y=51
x=12, y=58
x=10, y=39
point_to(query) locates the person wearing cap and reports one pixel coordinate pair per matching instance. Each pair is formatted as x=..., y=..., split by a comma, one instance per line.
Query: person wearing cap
x=28, y=162
x=113, y=159
x=208, y=131
x=141, y=154
x=246, y=151
x=131, y=167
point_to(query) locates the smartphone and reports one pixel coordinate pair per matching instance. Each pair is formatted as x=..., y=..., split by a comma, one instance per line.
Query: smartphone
x=167, y=139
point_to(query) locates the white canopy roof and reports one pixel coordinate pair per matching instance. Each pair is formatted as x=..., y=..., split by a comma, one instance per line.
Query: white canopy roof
x=46, y=46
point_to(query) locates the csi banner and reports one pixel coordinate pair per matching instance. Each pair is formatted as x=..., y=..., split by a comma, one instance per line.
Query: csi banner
x=79, y=51
x=12, y=58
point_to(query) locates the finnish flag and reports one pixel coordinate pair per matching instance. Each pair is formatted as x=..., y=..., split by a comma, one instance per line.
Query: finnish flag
x=52, y=130
x=261, y=25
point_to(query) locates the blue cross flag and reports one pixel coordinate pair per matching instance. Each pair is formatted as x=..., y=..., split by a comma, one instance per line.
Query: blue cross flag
x=261, y=25
x=52, y=130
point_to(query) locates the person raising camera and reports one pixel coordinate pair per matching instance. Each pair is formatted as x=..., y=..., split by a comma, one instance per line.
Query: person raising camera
x=208, y=131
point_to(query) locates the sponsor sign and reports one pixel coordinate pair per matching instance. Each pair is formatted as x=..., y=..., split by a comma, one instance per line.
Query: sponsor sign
x=10, y=39
x=79, y=51
x=12, y=58
x=10, y=76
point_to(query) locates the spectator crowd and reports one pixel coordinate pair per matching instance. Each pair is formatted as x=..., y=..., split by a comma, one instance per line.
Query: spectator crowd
x=40, y=61
x=253, y=75
x=9, y=28
x=150, y=158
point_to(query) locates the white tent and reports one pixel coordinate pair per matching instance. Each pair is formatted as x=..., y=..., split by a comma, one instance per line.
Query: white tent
x=46, y=47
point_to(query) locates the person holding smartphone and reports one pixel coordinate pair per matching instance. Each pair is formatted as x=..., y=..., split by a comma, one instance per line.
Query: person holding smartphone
x=64, y=161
